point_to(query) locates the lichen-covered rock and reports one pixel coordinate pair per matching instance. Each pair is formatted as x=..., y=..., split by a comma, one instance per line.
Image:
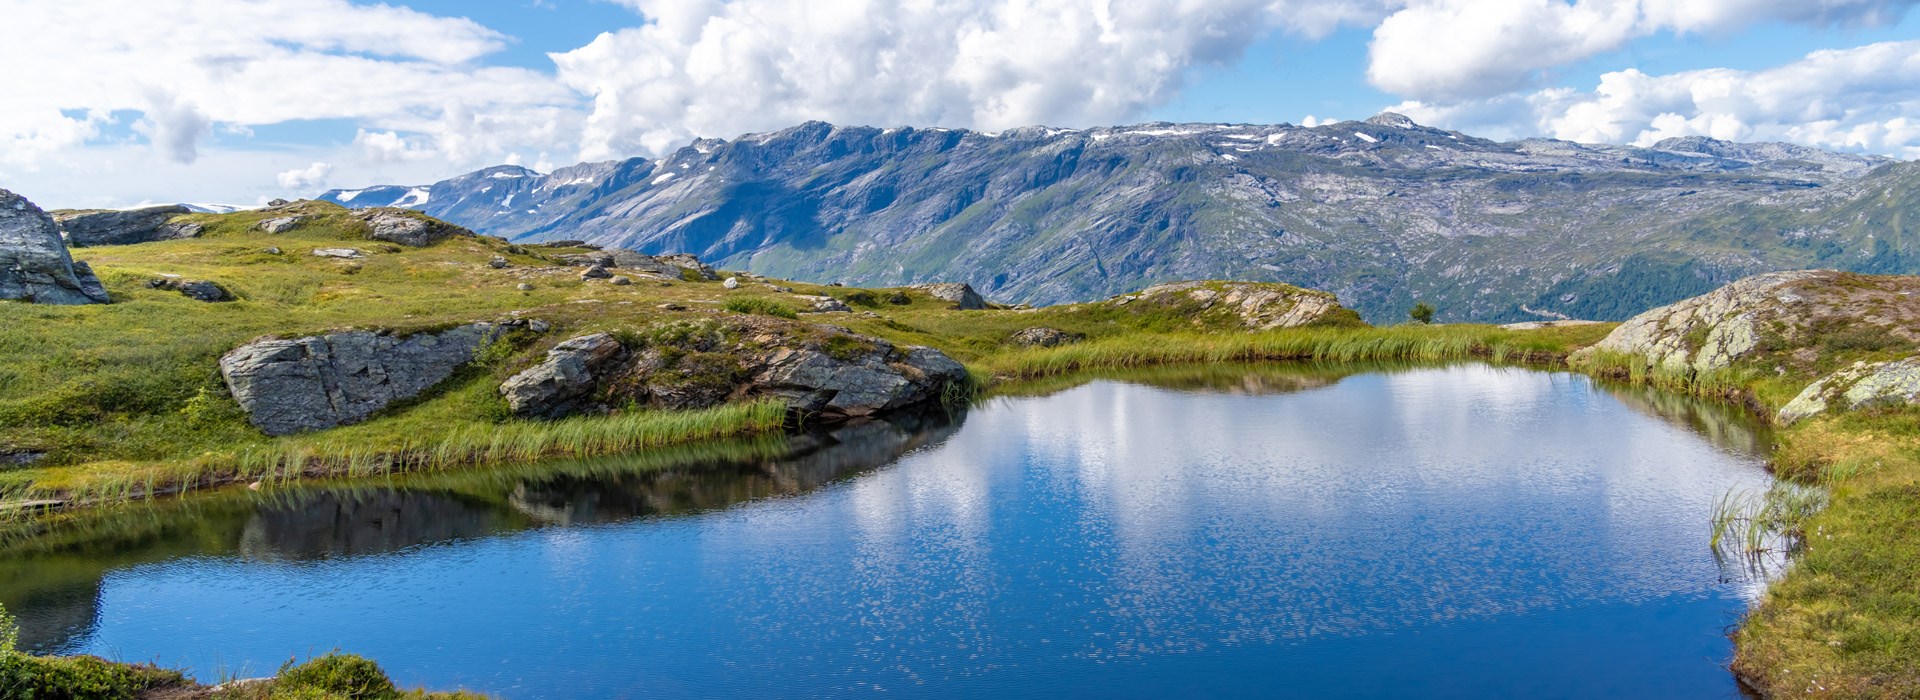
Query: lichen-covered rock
x=1044, y=337
x=1797, y=314
x=319, y=382
x=553, y=387
x=34, y=263
x=407, y=227
x=345, y=253
x=1254, y=305
x=959, y=293
x=1862, y=385
x=819, y=371
x=127, y=227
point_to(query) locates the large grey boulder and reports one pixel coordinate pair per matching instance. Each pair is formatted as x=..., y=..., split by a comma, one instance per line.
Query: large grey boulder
x=1784, y=312
x=127, y=227
x=319, y=382
x=34, y=264
x=553, y=387
x=960, y=293
x=407, y=227
x=1862, y=385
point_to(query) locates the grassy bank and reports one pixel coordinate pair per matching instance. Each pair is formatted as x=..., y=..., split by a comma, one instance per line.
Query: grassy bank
x=327, y=677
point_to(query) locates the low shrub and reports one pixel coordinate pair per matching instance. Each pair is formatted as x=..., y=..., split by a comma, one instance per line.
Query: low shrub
x=336, y=675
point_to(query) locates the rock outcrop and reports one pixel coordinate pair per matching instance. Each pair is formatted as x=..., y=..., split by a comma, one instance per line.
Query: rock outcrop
x=407, y=227
x=959, y=293
x=1253, y=305
x=1556, y=323
x=820, y=371
x=143, y=225
x=198, y=290
x=34, y=263
x=1797, y=315
x=1044, y=337
x=1865, y=384
x=555, y=387
x=675, y=267
x=319, y=382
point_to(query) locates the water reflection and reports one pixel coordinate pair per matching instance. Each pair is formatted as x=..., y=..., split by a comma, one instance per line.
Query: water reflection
x=1215, y=531
x=51, y=573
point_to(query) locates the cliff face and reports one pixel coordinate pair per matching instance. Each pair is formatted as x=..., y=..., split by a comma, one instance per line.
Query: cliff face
x=1381, y=212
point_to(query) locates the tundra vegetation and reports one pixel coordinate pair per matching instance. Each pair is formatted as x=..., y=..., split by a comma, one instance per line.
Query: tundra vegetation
x=123, y=401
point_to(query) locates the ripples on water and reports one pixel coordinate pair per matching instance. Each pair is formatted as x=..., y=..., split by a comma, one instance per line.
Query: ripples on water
x=1459, y=531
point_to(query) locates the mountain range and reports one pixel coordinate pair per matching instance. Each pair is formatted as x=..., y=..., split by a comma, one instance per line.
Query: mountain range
x=1382, y=212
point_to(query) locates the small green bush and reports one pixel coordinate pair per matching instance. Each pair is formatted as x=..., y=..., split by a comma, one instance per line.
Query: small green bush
x=861, y=297
x=753, y=305
x=1421, y=312
x=345, y=676
x=899, y=299
x=687, y=275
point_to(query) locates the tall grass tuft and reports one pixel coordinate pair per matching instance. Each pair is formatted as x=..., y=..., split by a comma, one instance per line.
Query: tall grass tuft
x=1753, y=525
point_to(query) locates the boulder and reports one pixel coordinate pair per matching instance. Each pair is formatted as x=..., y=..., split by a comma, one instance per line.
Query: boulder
x=620, y=280
x=823, y=304
x=345, y=253
x=199, y=290
x=34, y=263
x=1253, y=305
x=143, y=225
x=1797, y=315
x=407, y=227
x=960, y=294
x=524, y=287
x=820, y=371
x=278, y=225
x=555, y=386
x=731, y=283
x=1045, y=337
x=498, y=263
x=319, y=382
x=271, y=250
x=595, y=273
x=1865, y=384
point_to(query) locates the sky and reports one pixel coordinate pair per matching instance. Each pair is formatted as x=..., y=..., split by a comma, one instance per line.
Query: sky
x=114, y=103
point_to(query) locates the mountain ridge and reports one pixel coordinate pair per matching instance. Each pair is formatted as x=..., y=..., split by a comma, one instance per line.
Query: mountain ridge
x=1382, y=212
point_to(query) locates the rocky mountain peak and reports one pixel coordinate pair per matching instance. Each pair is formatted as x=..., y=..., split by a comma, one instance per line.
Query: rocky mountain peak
x=1392, y=119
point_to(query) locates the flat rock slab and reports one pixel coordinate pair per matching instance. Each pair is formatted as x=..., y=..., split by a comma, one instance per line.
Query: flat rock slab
x=319, y=382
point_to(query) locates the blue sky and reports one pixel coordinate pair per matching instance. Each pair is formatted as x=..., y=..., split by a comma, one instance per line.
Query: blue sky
x=290, y=97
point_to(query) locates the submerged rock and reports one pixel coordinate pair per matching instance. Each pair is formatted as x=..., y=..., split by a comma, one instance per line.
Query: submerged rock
x=1045, y=337
x=816, y=370
x=143, y=225
x=318, y=382
x=1890, y=383
x=959, y=293
x=1797, y=314
x=34, y=263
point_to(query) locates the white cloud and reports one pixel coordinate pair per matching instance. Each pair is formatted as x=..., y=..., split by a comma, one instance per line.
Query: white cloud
x=710, y=68
x=312, y=177
x=1858, y=99
x=1454, y=50
x=188, y=66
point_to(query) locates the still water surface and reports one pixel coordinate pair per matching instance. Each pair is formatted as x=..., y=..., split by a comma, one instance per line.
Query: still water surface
x=1461, y=531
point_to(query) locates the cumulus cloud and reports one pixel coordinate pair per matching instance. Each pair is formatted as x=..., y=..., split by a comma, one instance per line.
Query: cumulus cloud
x=312, y=177
x=710, y=68
x=1858, y=99
x=1454, y=50
x=253, y=63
